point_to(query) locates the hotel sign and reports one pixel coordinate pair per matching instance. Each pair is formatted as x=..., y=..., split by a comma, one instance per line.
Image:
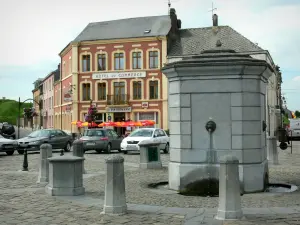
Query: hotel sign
x=116, y=109
x=121, y=75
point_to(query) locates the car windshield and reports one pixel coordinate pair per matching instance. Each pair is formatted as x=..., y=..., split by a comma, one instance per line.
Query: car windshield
x=141, y=133
x=90, y=133
x=39, y=133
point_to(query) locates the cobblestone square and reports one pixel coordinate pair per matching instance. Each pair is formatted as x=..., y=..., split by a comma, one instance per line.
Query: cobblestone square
x=23, y=201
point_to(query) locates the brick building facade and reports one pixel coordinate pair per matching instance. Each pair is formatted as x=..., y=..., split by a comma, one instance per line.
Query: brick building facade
x=116, y=65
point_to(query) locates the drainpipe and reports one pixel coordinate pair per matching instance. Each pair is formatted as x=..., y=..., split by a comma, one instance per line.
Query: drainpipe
x=60, y=93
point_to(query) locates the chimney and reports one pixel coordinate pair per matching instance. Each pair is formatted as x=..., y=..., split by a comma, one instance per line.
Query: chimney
x=215, y=20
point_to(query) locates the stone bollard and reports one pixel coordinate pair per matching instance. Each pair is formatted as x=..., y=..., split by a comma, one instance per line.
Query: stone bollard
x=115, y=195
x=229, y=190
x=65, y=176
x=150, y=154
x=272, y=150
x=45, y=153
x=79, y=152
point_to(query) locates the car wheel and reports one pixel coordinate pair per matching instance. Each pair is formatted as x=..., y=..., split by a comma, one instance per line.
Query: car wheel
x=21, y=152
x=167, y=149
x=68, y=147
x=10, y=152
x=119, y=150
x=125, y=152
x=98, y=151
x=108, y=148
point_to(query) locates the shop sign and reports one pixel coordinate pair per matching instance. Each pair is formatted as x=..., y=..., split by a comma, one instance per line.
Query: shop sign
x=145, y=104
x=121, y=75
x=68, y=108
x=117, y=109
x=67, y=97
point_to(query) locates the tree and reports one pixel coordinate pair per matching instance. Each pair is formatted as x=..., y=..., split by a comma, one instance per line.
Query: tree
x=297, y=114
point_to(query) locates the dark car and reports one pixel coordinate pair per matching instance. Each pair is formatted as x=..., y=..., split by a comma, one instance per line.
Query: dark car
x=8, y=146
x=57, y=138
x=8, y=131
x=101, y=140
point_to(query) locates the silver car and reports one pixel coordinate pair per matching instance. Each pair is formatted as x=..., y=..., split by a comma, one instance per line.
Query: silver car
x=7, y=145
x=101, y=140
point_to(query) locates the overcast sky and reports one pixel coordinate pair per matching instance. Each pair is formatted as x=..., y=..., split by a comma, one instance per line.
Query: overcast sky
x=33, y=32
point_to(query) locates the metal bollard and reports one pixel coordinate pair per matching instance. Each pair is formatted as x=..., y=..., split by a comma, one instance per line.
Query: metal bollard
x=25, y=161
x=229, y=190
x=115, y=195
x=79, y=152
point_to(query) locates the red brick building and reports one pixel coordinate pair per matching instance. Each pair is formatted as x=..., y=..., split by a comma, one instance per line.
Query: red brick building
x=116, y=64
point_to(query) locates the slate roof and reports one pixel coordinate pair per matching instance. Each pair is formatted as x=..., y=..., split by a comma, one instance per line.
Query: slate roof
x=194, y=40
x=126, y=28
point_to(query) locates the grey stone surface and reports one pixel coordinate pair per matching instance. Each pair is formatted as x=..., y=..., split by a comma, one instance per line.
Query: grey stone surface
x=65, y=176
x=79, y=152
x=24, y=202
x=272, y=150
x=115, y=195
x=229, y=189
x=145, y=162
x=45, y=153
x=230, y=89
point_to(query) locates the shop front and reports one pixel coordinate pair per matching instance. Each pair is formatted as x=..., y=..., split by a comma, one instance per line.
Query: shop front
x=119, y=114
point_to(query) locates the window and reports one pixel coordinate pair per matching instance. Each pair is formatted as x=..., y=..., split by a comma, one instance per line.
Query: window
x=137, y=90
x=153, y=59
x=100, y=117
x=101, y=91
x=153, y=89
x=136, y=60
x=86, y=66
x=161, y=133
x=119, y=61
x=86, y=92
x=101, y=62
x=112, y=133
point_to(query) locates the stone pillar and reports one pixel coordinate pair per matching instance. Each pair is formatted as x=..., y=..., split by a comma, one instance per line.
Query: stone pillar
x=228, y=88
x=272, y=150
x=45, y=153
x=65, y=176
x=79, y=152
x=229, y=190
x=115, y=195
x=150, y=154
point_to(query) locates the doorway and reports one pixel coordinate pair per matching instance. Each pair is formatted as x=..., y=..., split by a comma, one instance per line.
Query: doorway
x=119, y=117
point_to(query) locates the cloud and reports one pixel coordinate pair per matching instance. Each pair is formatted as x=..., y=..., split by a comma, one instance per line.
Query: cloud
x=33, y=33
x=296, y=79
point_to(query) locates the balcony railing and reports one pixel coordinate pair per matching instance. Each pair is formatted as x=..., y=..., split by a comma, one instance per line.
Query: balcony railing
x=117, y=99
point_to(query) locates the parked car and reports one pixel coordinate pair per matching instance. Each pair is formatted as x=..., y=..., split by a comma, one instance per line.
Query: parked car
x=8, y=131
x=131, y=142
x=7, y=145
x=57, y=138
x=100, y=139
x=294, y=129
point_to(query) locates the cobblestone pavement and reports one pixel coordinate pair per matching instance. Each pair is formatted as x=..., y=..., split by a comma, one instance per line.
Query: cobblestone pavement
x=24, y=202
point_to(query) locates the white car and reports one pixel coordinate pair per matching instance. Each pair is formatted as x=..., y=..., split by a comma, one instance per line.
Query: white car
x=294, y=128
x=130, y=143
x=8, y=145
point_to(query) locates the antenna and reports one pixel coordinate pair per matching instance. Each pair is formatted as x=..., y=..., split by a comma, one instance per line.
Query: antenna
x=212, y=9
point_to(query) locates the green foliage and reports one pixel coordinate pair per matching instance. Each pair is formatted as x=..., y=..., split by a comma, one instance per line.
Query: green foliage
x=297, y=114
x=9, y=110
x=285, y=120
